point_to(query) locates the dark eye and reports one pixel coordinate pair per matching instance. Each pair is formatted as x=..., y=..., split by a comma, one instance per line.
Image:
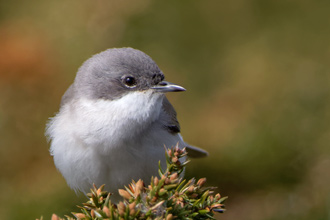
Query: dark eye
x=129, y=81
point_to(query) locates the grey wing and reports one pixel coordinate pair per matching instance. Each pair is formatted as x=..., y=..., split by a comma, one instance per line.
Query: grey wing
x=172, y=125
x=68, y=95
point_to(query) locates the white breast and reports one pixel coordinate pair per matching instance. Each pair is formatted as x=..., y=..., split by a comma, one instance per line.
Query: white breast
x=111, y=142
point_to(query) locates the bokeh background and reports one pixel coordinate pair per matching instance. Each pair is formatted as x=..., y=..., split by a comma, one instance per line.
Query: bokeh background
x=258, y=89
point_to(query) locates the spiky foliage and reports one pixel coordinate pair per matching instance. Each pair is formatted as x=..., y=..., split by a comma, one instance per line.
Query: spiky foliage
x=167, y=197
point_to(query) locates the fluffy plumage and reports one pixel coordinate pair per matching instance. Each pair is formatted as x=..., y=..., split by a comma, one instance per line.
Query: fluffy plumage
x=109, y=131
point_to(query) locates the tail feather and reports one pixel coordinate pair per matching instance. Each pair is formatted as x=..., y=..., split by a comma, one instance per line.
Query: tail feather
x=196, y=152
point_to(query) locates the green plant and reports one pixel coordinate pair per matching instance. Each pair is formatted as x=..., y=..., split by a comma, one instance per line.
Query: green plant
x=167, y=197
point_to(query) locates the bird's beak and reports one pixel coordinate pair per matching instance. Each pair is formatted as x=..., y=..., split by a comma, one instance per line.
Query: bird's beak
x=165, y=86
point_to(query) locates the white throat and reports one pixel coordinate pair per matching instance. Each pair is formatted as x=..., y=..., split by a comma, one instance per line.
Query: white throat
x=113, y=121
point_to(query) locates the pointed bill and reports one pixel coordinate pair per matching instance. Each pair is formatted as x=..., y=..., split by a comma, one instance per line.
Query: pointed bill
x=165, y=86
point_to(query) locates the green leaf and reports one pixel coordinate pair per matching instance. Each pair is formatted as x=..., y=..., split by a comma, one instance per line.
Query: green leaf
x=203, y=211
x=160, y=171
x=222, y=199
x=100, y=214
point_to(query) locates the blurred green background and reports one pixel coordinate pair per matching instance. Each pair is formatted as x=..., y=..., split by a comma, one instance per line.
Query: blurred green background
x=258, y=95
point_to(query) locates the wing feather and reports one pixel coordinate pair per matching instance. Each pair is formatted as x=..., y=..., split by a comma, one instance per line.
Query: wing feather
x=171, y=123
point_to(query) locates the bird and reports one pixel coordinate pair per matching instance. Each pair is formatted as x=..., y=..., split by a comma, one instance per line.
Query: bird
x=114, y=121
